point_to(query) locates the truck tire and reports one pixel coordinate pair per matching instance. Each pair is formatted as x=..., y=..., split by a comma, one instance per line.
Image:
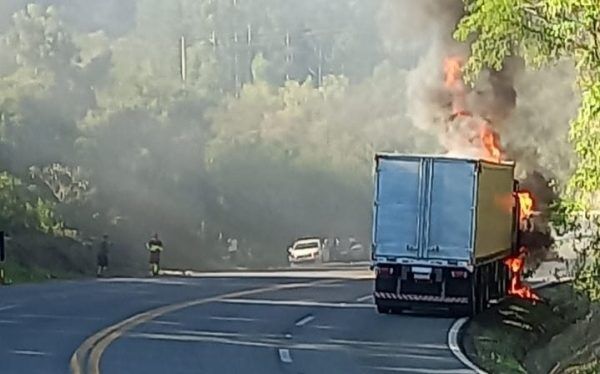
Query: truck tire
x=487, y=285
x=459, y=311
x=505, y=281
x=475, y=295
x=496, y=281
x=482, y=300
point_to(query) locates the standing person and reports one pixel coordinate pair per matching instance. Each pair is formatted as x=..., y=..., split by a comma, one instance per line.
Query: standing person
x=155, y=246
x=102, y=257
x=232, y=251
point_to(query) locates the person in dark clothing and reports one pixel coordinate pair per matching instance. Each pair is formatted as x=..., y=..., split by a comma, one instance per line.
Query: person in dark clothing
x=102, y=256
x=155, y=246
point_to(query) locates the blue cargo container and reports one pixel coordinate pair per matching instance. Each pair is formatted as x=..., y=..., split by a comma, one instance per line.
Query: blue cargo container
x=442, y=228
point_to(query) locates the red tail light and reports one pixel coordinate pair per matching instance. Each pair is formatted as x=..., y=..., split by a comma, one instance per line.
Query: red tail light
x=458, y=273
x=384, y=271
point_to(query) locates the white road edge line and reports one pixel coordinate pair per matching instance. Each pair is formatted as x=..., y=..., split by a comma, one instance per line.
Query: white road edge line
x=459, y=323
x=285, y=356
x=305, y=320
x=364, y=298
x=455, y=348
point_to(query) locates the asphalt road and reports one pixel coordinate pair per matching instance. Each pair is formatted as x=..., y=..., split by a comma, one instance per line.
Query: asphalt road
x=301, y=322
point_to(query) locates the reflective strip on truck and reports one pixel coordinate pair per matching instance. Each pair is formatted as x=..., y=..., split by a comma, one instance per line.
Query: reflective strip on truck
x=427, y=298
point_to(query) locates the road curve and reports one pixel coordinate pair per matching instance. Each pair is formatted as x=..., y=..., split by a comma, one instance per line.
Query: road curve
x=300, y=322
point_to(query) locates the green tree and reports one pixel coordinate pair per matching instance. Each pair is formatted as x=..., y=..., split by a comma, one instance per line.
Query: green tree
x=47, y=89
x=22, y=209
x=281, y=110
x=544, y=32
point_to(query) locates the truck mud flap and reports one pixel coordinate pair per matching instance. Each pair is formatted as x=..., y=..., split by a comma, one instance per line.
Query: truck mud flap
x=421, y=298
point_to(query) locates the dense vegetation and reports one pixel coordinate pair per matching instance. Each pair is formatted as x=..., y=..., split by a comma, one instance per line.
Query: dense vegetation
x=267, y=134
x=543, y=33
x=270, y=135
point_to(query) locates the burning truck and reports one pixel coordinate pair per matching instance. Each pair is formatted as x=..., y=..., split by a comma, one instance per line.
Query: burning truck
x=446, y=232
x=453, y=230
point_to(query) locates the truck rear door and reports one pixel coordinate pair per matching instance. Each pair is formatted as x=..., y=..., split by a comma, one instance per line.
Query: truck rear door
x=397, y=207
x=450, y=201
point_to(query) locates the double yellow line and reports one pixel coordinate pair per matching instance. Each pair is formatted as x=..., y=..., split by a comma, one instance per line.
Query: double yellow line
x=86, y=358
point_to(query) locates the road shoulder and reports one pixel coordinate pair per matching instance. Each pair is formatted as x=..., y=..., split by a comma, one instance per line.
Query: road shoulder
x=521, y=336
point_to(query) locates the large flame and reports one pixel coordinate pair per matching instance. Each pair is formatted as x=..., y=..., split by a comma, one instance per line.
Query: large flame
x=475, y=134
x=525, y=204
x=491, y=143
x=515, y=267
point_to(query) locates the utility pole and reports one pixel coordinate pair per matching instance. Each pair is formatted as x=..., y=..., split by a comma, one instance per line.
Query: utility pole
x=320, y=68
x=236, y=62
x=183, y=58
x=250, y=52
x=288, y=55
x=213, y=34
x=236, y=57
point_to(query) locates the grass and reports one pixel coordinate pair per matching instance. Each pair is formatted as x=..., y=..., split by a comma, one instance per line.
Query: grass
x=589, y=368
x=518, y=336
x=16, y=273
x=36, y=257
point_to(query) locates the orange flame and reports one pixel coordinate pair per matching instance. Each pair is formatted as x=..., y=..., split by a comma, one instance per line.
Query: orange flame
x=453, y=82
x=489, y=140
x=491, y=143
x=525, y=204
x=517, y=288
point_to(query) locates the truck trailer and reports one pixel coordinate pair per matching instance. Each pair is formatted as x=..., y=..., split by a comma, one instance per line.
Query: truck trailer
x=442, y=230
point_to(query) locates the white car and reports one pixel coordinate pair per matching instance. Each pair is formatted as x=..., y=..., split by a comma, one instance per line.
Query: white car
x=306, y=250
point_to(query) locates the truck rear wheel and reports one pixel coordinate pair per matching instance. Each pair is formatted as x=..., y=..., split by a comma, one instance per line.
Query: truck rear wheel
x=504, y=280
x=475, y=294
x=458, y=311
x=482, y=299
x=487, y=284
x=495, y=281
